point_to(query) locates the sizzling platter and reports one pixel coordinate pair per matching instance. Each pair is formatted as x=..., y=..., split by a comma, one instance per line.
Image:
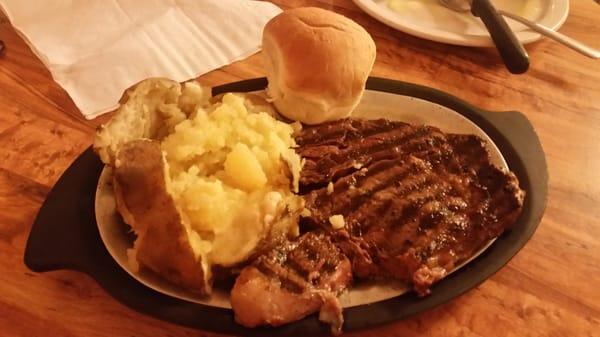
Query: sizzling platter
x=117, y=236
x=65, y=237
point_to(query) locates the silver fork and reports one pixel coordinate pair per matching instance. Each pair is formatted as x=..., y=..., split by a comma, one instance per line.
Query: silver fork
x=556, y=36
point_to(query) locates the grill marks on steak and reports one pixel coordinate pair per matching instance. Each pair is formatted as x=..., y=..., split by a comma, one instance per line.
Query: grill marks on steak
x=303, y=264
x=291, y=281
x=335, y=149
x=416, y=202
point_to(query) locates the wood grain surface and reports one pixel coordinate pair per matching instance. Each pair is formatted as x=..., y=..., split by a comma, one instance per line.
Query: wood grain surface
x=551, y=288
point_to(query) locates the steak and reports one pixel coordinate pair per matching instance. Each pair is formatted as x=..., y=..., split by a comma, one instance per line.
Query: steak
x=416, y=201
x=291, y=281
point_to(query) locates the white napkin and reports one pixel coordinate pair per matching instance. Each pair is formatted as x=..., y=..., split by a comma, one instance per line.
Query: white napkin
x=95, y=49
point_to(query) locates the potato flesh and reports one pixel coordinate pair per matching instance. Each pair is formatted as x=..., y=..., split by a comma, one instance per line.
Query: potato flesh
x=243, y=169
x=229, y=180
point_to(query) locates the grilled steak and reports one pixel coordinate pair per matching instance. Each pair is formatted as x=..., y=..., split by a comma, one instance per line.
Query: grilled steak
x=291, y=281
x=416, y=201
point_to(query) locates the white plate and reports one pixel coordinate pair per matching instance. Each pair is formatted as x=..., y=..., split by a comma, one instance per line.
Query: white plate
x=429, y=20
x=117, y=237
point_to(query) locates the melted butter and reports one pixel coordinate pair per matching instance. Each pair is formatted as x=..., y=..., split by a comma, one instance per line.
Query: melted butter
x=403, y=6
x=531, y=9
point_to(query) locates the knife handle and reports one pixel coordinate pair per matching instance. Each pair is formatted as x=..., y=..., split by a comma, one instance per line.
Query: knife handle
x=510, y=48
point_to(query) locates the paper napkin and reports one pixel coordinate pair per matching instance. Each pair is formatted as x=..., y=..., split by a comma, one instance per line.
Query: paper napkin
x=95, y=49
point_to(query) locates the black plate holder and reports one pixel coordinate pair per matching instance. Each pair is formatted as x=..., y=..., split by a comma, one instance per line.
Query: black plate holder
x=65, y=234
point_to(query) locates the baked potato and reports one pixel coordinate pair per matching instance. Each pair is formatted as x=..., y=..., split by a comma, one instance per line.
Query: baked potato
x=203, y=182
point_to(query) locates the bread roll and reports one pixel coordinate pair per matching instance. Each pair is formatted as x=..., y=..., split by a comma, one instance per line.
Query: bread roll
x=317, y=63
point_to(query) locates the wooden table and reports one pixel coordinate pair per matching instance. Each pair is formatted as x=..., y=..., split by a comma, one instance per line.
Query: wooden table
x=551, y=288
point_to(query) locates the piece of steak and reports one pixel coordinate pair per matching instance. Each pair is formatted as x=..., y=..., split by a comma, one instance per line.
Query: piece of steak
x=416, y=202
x=291, y=281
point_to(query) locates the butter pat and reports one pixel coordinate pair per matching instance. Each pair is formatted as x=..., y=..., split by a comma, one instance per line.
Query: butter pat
x=244, y=170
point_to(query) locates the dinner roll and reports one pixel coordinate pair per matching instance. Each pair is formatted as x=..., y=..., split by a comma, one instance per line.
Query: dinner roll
x=317, y=63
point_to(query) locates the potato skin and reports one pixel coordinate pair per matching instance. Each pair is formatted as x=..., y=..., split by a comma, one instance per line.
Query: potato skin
x=146, y=205
x=149, y=109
